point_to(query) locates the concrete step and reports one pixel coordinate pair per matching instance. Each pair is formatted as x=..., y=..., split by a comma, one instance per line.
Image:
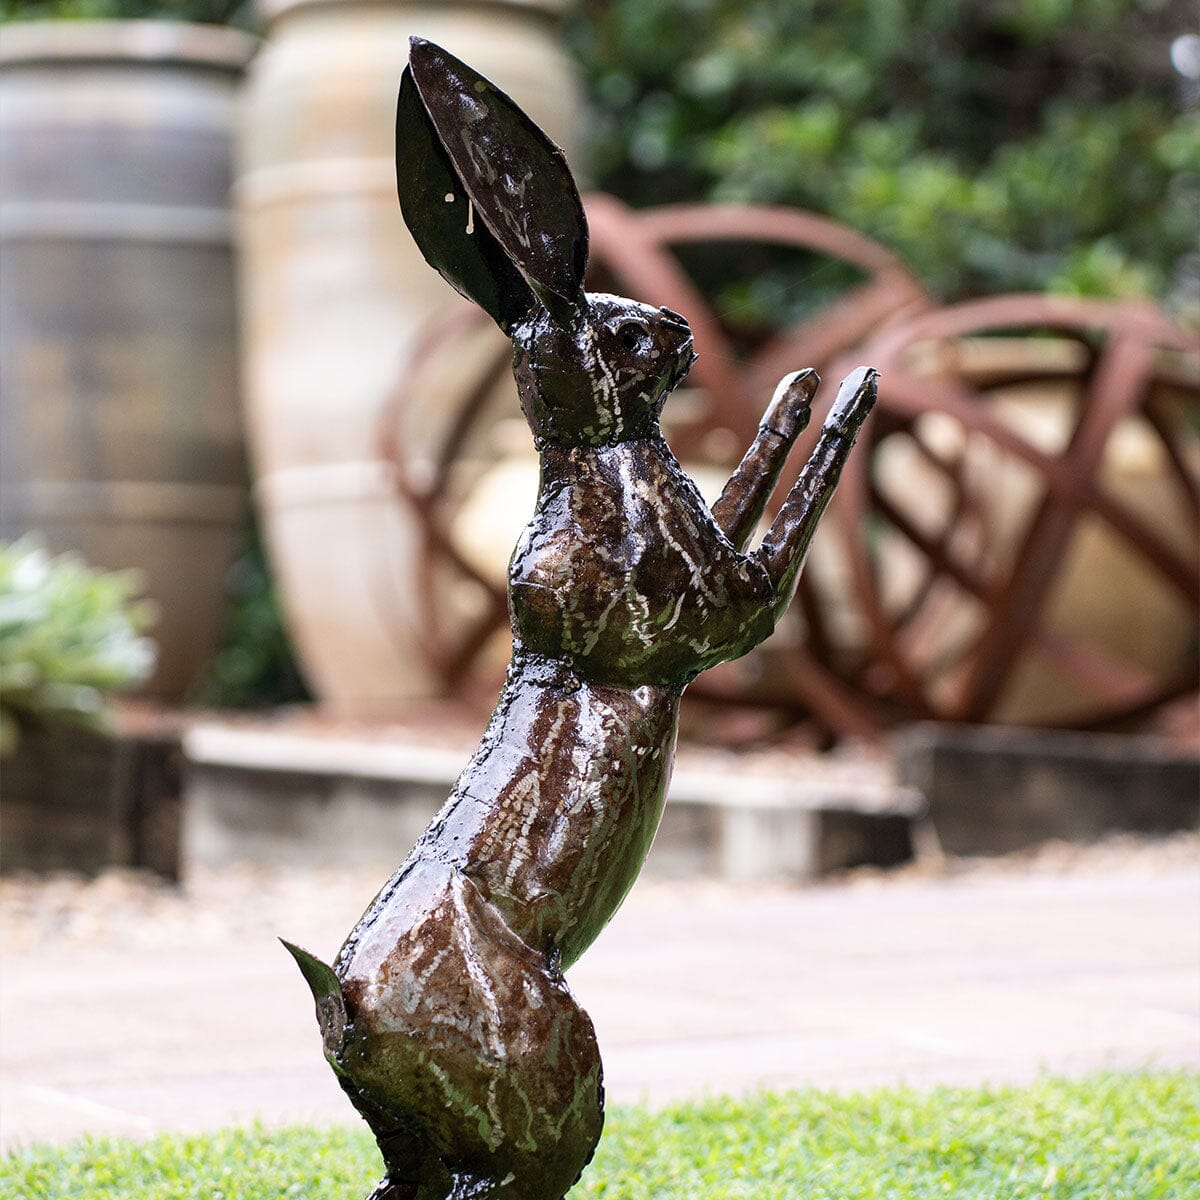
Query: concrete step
x=294, y=796
x=994, y=789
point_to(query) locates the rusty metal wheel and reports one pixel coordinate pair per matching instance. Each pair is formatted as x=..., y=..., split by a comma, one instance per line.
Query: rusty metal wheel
x=1044, y=495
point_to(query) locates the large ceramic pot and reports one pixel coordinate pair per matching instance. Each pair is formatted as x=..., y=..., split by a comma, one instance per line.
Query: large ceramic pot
x=120, y=435
x=334, y=293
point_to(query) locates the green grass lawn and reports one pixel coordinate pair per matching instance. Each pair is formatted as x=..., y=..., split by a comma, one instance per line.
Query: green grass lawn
x=1108, y=1137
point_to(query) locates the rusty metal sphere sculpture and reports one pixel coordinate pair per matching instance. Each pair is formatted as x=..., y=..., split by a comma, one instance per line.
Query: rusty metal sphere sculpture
x=1042, y=498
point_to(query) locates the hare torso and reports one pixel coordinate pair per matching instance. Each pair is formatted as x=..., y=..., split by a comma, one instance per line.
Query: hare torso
x=553, y=816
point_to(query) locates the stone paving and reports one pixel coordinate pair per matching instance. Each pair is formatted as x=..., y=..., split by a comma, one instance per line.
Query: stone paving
x=693, y=989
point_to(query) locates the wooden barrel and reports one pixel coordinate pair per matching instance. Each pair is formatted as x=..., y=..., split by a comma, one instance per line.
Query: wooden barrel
x=334, y=292
x=120, y=430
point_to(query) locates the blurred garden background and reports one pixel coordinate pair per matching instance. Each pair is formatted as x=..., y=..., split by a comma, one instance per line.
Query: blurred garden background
x=261, y=473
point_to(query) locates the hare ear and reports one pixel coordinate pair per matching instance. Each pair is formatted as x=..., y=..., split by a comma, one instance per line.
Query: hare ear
x=438, y=213
x=515, y=178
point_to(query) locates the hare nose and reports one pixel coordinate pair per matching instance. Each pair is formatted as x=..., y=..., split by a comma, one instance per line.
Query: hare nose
x=676, y=318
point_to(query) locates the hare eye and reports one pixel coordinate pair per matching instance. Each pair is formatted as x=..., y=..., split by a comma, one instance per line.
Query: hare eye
x=632, y=334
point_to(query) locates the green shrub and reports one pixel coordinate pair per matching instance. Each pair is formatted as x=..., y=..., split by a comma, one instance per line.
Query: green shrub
x=1001, y=146
x=69, y=636
x=210, y=12
x=255, y=666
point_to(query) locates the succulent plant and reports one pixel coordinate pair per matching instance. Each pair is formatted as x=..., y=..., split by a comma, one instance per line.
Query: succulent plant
x=70, y=636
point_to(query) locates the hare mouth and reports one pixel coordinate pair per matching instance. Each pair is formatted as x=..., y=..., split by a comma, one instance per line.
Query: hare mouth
x=683, y=364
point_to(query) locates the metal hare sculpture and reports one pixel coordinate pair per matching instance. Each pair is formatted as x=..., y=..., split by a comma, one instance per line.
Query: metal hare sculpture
x=446, y=1016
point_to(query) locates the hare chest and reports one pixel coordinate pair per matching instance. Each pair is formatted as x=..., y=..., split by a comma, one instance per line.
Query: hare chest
x=624, y=574
x=551, y=821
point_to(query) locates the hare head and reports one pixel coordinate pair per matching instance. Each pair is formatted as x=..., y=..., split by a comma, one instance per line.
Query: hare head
x=493, y=207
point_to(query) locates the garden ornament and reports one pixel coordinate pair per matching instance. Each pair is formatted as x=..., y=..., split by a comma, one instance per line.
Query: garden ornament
x=446, y=1016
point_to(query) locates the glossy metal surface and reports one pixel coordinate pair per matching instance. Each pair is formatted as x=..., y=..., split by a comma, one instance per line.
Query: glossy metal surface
x=446, y=1015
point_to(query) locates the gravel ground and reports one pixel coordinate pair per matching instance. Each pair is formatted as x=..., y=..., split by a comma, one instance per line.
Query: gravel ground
x=214, y=906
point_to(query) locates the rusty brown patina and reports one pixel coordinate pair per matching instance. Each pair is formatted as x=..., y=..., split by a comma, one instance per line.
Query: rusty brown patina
x=446, y=1015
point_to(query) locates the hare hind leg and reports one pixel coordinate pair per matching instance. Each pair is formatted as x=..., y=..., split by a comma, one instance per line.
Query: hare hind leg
x=545, y=1086
x=489, y=1062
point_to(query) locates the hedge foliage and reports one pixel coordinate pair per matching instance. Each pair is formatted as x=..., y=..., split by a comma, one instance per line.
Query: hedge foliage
x=995, y=145
x=206, y=12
